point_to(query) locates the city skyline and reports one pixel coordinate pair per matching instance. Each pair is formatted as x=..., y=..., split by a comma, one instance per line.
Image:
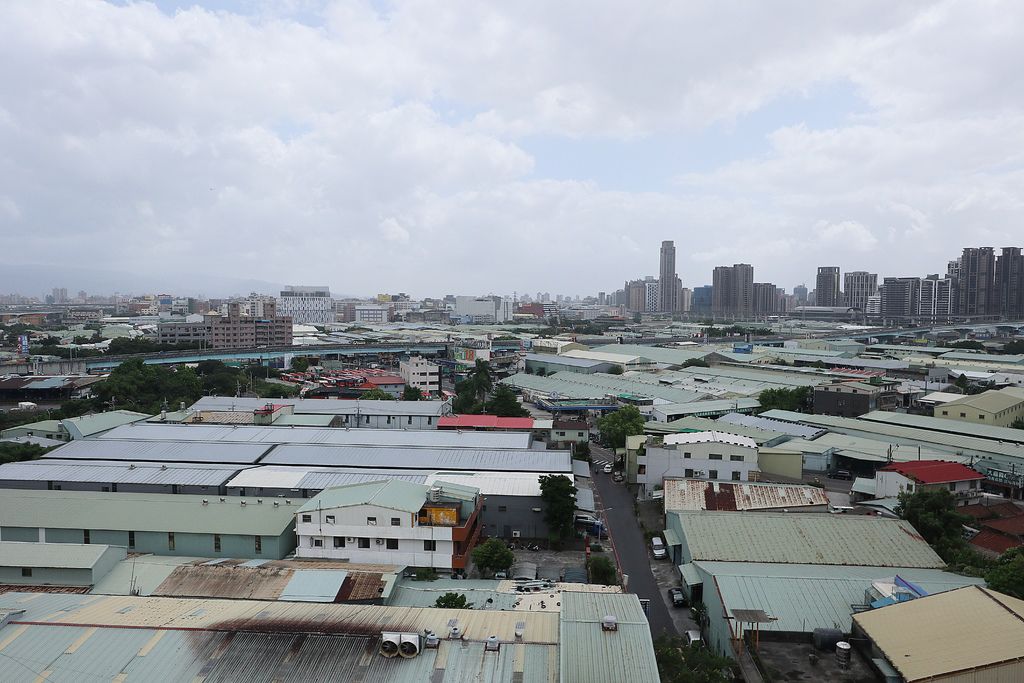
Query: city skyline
x=403, y=144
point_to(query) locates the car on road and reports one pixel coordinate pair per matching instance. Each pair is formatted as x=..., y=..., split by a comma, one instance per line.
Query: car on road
x=608, y=469
x=589, y=520
x=658, y=548
x=618, y=476
x=693, y=638
x=677, y=597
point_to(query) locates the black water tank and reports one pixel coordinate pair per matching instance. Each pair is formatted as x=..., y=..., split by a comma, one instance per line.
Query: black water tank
x=825, y=639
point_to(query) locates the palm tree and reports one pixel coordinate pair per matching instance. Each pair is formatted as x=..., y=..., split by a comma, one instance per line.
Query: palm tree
x=480, y=378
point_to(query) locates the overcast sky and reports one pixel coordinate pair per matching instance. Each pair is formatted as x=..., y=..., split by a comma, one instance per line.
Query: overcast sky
x=472, y=147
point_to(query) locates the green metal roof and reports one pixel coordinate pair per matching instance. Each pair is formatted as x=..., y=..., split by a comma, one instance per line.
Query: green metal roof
x=690, y=574
x=146, y=512
x=703, y=424
x=53, y=555
x=939, y=424
x=393, y=494
x=804, y=539
x=658, y=354
x=589, y=653
x=52, y=426
x=88, y=425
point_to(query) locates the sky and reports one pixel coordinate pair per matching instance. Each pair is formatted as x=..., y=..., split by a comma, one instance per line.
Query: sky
x=496, y=147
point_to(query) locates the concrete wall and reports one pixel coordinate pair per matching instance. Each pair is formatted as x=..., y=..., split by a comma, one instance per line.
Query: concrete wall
x=27, y=534
x=156, y=542
x=395, y=422
x=780, y=463
x=47, y=576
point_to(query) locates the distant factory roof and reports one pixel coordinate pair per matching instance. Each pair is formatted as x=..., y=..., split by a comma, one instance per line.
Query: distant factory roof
x=35, y=440
x=934, y=471
x=699, y=494
x=701, y=408
x=708, y=437
x=802, y=597
x=90, y=425
x=422, y=458
x=329, y=406
x=777, y=426
x=992, y=401
x=494, y=483
x=805, y=539
x=954, y=634
x=599, y=385
x=607, y=357
x=703, y=424
x=149, y=638
x=484, y=422
x=568, y=361
x=54, y=555
x=144, y=512
x=106, y=471
x=1003, y=359
x=340, y=436
x=159, y=451
x=659, y=354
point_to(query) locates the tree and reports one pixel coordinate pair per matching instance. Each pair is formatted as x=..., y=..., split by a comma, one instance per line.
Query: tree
x=493, y=555
x=962, y=383
x=19, y=452
x=410, y=393
x=503, y=403
x=479, y=378
x=797, y=399
x=559, y=497
x=581, y=450
x=1018, y=423
x=933, y=513
x=602, y=570
x=696, y=362
x=615, y=370
x=465, y=401
x=1007, y=574
x=615, y=427
x=968, y=344
x=300, y=363
x=1015, y=347
x=376, y=394
x=681, y=663
x=453, y=601
x=147, y=388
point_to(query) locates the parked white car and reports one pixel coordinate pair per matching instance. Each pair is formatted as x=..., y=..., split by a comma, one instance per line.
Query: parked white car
x=658, y=548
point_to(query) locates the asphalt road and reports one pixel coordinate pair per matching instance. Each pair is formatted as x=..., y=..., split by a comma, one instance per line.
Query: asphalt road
x=615, y=505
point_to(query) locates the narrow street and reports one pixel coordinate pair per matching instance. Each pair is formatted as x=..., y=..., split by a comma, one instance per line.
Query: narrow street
x=615, y=506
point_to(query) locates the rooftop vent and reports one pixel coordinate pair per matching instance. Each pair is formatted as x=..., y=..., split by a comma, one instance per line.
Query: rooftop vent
x=389, y=644
x=410, y=645
x=243, y=502
x=609, y=623
x=434, y=495
x=431, y=641
x=492, y=644
x=131, y=466
x=205, y=502
x=455, y=633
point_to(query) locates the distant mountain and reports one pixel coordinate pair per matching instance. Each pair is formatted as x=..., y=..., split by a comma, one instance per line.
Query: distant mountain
x=39, y=280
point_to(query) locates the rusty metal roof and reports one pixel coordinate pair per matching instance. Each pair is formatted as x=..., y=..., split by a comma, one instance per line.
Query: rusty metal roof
x=698, y=494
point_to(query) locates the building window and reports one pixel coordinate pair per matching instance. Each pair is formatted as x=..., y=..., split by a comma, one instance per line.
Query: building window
x=641, y=469
x=258, y=543
x=736, y=458
x=409, y=420
x=389, y=419
x=330, y=519
x=85, y=536
x=430, y=420
x=392, y=544
x=429, y=546
x=364, y=543
x=131, y=539
x=561, y=433
x=216, y=543
x=367, y=419
x=980, y=416
x=712, y=474
x=372, y=521
x=396, y=521
x=945, y=412
x=170, y=540
x=952, y=487
x=974, y=484
x=715, y=456
x=502, y=508
x=686, y=455
x=317, y=542
x=688, y=473
x=339, y=541
x=735, y=476
x=963, y=414
x=26, y=571
x=307, y=518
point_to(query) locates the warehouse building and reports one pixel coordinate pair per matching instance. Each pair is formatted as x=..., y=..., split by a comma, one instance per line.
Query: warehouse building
x=118, y=477
x=421, y=458
x=56, y=564
x=152, y=523
x=160, y=451
x=971, y=634
x=351, y=413
x=84, y=427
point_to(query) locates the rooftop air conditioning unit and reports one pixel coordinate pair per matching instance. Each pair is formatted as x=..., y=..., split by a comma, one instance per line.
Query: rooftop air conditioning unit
x=609, y=623
x=380, y=541
x=492, y=644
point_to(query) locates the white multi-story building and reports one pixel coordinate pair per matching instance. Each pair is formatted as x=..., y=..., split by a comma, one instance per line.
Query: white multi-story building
x=958, y=479
x=307, y=305
x=393, y=522
x=696, y=455
x=484, y=309
x=652, y=295
x=375, y=314
x=422, y=374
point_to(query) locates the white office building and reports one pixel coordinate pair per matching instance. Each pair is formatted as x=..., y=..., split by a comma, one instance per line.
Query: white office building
x=696, y=455
x=391, y=522
x=484, y=309
x=374, y=314
x=307, y=305
x=422, y=374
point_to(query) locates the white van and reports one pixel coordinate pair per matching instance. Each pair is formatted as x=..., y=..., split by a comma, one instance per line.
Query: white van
x=658, y=548
x=693, y=638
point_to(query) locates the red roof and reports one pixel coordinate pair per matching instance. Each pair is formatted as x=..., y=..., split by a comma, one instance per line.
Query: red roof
x=979, y=511
x=1013, y=526
x=933, y=471
x=385, y=379
x=484, y=422
x=994, y=541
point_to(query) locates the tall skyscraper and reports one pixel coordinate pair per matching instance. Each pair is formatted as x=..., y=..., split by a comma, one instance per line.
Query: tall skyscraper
x=766, y=298
x=858, y=285
x=901, y=298
x=800, y=295
x=732, y=290
x=938, y=298
x=977, y=281
x=827, y=287
x=1010, y=283
x=667, y=284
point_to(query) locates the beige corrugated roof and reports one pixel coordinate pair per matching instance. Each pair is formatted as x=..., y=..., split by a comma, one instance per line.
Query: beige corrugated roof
x=992, y=401
x=956, y=631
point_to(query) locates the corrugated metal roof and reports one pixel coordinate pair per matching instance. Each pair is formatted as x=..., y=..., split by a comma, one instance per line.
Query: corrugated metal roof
x=590, y=653
x=659, y=354
x=328, y=406
x=582, y=386
x=317, y=479
x=54, y=555
x=939, y=424
x=569, y=361
x=804, y=597
x=100, y=471
x=325, y=479
x=804, y=539
x=160, y=451
x=320, y=585
x=774, y=426
x=145, y=512
x=585, y=500
x=950, y=633
x=88, y=425
x=706, y=407
x=337, y=436
x=422, y=458
x=708, y=437
x=391, y=494
x=37, y=440
x=493, y=483
x=759, y=436
x=699, y=494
